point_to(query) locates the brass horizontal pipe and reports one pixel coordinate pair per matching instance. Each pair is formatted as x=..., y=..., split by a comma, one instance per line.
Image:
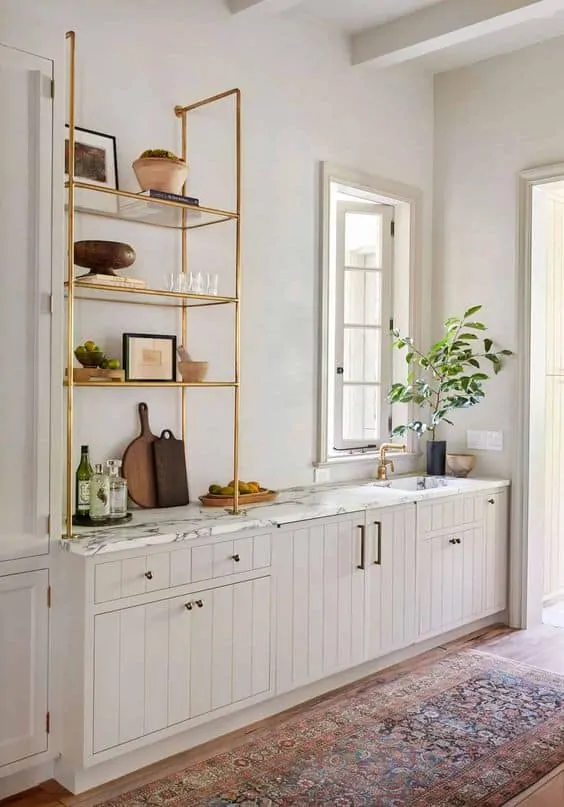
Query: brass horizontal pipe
x=181, y=110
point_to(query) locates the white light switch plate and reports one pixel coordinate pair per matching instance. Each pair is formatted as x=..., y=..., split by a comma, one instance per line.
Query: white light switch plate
x=476, y=440
x=494, y=441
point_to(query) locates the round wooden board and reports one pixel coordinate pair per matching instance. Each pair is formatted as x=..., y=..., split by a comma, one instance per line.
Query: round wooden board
x=215, y=500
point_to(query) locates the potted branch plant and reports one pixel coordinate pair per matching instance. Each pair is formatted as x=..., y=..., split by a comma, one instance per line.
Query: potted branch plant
x=160, y=170
x=448, y=376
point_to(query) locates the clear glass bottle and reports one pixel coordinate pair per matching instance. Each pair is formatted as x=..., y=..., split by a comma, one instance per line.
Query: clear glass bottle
x=118, y=490
x=82, y=483
x=99, y=495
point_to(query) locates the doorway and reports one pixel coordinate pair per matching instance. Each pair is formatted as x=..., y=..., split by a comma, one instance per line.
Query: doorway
x=538, y=500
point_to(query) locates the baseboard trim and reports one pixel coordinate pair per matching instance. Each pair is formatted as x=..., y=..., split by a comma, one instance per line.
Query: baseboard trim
x=78, y=781
x=33, y=774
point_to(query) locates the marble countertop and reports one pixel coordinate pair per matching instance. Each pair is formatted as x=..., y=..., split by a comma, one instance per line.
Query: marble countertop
x=165, y=526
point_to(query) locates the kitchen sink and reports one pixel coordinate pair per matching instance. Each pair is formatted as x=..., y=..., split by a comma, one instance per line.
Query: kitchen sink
x=420, y=483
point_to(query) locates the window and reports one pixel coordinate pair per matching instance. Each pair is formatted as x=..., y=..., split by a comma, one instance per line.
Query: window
x=362, y=310
x=366, y=272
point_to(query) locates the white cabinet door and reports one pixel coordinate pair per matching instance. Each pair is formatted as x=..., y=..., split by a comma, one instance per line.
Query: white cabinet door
x=496, y=552
x=25, y=318
x=450, y=579
x=219, y=648
x=23, y=665
x=390, y=580
x=320, y=599
x=130, y=674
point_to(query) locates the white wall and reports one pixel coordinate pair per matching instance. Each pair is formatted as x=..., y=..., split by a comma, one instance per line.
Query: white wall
x=303, y=103
x=492, y=120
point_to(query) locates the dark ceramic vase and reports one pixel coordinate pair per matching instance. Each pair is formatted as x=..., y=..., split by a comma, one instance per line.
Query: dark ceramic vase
x=436, y=457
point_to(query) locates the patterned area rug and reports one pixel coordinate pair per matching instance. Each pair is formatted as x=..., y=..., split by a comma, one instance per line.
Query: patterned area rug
x=468, y=730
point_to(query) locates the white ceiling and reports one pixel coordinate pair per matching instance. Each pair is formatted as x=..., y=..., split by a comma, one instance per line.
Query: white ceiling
x=354, y=15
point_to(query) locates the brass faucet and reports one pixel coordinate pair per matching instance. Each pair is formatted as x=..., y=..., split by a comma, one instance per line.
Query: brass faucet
x=382, y=472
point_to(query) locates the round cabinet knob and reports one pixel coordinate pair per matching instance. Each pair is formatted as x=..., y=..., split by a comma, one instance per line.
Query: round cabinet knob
x=452, y=540
x=188, y=606
x=236, y=558
x=459, y=540
x=199, y=603
x=149, y=575
x=491, y=501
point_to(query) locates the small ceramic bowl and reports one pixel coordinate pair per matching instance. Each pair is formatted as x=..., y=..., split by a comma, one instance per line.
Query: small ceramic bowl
x=460, y=464
x=90, y=358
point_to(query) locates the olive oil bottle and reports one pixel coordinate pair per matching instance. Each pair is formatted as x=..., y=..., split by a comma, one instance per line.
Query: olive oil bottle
x=82, y=486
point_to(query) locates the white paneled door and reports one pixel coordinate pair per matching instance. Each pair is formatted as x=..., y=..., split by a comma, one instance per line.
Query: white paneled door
x=25, y=301
x=320, y=604
x=164, y=663
x=23, y=665
x=390, y=580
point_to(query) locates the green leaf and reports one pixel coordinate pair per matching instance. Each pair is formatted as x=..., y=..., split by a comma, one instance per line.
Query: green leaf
x=474, y=362
x=409, y=358
x=467, y=336
x=506, y=352
x=488, y=343
x=477, y=326
x=473, y=310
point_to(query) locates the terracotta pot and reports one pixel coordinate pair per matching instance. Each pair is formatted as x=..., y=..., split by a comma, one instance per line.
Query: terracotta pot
x=103, y=257
x=160, y=174
x=460, y=464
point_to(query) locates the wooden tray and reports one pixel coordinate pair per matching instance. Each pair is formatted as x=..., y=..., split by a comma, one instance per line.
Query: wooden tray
x=93, y=374
x=216, y=500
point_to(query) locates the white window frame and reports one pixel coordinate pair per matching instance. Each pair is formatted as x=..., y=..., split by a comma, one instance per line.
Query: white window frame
x=387, y=213
x=407, y=290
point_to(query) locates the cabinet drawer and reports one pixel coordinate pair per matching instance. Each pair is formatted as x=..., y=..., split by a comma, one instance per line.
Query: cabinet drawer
x=230, y=557
x=452, y=511
x=126, y=578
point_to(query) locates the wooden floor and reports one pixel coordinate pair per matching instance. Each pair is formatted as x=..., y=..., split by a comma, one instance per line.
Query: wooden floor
x=542, y=647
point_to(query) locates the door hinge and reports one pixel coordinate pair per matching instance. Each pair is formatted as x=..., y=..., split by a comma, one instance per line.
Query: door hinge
x=48, y=596
x=391, y=323
x=392, y=228
x=52, y=88
x=51, y=304
x=48, y=722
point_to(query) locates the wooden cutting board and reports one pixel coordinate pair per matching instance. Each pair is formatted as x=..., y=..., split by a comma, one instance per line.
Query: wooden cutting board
x=139, y=464
x=170, y=470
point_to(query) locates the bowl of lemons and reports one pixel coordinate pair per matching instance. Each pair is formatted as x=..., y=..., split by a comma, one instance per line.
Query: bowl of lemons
x=249, y=493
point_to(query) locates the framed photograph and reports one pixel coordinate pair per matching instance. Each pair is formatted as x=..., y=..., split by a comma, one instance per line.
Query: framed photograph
x=149, y=357
x=95, y=162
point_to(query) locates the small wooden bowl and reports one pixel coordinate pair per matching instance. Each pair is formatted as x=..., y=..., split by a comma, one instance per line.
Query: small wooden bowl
x=103, y=257
x=193, y=372
x=460, y=465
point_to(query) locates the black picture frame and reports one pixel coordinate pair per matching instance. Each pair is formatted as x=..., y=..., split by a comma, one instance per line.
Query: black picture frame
x=133, y=363
x=95, y=155
x=93, y=136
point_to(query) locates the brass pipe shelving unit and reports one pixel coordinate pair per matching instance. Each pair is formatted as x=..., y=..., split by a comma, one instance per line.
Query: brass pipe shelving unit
x=177, y=216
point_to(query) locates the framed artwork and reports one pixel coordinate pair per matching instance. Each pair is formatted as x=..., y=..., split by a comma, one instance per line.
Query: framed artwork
x=95, y=162
x=149, y=357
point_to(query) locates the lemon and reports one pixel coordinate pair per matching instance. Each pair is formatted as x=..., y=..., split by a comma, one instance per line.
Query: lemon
x=228, y=491
x=114, y=364
x=90, y=345
x=215, y=489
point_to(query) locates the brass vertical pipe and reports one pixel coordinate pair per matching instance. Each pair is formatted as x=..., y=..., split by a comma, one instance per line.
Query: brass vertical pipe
x=237, y=358
x=184, y=247
x=71, y=36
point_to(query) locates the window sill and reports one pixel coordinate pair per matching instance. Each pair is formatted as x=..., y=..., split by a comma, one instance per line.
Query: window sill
x=367, y=456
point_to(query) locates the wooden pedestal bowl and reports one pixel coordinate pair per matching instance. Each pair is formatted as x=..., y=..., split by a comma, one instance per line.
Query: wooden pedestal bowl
x=103, y=257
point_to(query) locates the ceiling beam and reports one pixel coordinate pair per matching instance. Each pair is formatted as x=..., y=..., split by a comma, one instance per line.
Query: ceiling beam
x=442, y=25
x=273, y=6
